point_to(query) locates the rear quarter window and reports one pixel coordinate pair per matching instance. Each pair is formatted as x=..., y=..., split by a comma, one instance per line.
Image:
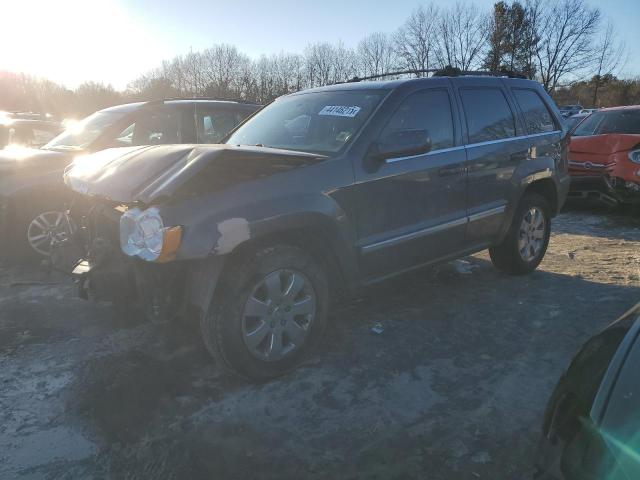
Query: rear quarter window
x=488, y=114
x=535, y=113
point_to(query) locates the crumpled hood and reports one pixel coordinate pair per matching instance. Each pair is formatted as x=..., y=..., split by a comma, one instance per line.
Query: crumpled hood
x=24, y=159
x=146, y=174
x=604, y=144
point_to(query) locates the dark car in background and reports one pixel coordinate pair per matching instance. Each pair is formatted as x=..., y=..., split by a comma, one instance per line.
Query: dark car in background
x=591, y=428
x=320, y=193
x=27, y=132
x=32, y=191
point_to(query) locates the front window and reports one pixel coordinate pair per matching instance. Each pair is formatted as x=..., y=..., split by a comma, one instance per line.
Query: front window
x=80, y=135
x=318, y=122
x=613, y=121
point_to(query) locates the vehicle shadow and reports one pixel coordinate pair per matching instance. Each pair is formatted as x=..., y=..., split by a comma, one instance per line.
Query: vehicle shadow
x=456, y=381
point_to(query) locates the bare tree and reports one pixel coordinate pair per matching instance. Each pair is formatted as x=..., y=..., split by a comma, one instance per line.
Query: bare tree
x=530, y=38
x=327, y=64
x=223, y=67
x=376, y=55
x=461, y=36
x=319, y=64
x=566, y=30
x=415, y=41
x=611, y=57
x=194, y=70
x=344, y=63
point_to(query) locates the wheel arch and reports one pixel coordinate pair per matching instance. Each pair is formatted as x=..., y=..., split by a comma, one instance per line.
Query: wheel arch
x=545, y=187
x=320, y=236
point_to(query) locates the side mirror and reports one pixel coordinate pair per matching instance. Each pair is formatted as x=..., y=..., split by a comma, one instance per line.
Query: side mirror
x=403, y=143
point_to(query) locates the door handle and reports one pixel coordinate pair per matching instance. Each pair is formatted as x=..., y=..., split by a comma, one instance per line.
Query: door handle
x=450, y=171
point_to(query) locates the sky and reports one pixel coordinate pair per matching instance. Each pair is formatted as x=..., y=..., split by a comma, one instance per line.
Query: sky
x=114, y=41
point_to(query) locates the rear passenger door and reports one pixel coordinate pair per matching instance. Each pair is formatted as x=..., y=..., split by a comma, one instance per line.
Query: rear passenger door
x=411, y=209
x=493, y=154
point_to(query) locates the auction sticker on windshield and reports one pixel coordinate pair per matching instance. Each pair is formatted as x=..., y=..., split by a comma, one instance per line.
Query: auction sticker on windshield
x=340, y=111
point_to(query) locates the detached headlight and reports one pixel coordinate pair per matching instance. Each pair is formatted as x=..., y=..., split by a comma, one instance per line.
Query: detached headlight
x=143, y=235
x=634, y=156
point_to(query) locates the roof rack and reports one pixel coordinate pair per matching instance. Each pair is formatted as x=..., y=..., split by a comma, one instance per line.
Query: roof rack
x=447, y=71
x=450, y=71
x=392, y=74
x=236, y=100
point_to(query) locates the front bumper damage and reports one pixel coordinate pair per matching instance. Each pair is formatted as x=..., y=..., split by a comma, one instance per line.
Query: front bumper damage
x=106, y=274
x=625, y=191
x=591, y=188
x=92, y=256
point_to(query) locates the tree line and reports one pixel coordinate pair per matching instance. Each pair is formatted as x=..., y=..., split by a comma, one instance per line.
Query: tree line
x=559, y=43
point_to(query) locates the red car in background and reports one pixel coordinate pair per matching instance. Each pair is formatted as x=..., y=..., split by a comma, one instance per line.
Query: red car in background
x=604, y=156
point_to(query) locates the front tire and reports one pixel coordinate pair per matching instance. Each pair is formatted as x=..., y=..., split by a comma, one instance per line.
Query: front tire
x=269, y=310
x=526, y=242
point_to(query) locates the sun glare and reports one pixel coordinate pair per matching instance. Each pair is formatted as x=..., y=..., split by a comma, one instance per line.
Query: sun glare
x=73, y=126
x=71, y=41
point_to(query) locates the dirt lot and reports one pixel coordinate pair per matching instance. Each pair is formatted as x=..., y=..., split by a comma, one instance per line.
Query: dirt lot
x=454, y=387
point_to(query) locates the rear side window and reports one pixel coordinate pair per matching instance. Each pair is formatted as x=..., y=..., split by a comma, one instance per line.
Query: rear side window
x=489, y=116
x=428, y=110
x=536, y=115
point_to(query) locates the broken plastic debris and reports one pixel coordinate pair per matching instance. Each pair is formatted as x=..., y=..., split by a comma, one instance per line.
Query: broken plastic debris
x=463, y=266
x=377, y=328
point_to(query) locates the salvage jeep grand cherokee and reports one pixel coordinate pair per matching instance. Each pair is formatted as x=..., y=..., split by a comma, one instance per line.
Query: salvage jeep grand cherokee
x=321, y=192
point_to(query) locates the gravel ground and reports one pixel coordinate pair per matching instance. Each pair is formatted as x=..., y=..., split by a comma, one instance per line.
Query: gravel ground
x=454, y=387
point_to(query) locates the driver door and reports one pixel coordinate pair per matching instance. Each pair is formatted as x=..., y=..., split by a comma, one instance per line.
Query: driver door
x=411, y=209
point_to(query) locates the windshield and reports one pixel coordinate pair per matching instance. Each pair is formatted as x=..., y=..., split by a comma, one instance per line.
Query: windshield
x=320, y=122
x=573, y=121
x=81, y=134
x=613, y=121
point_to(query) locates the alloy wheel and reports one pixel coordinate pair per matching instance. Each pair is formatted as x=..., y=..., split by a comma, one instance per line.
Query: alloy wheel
x=278, y=315
x=531, y=234
x=46, y=228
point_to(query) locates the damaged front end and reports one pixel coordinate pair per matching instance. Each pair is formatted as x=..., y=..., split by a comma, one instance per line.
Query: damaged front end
x=153, y=227
x=94, y=256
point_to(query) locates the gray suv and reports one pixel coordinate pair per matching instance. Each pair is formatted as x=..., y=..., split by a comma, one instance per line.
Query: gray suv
x=320, y=193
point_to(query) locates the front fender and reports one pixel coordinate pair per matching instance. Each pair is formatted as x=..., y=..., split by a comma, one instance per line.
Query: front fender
x=214, y=231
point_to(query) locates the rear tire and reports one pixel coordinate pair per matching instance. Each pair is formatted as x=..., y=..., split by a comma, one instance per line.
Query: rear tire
x=525, y=244
x=268, y=311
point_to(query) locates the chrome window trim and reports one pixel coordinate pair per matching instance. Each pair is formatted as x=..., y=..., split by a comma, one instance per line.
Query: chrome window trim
x=372, y=247
x=471, y=145
x=511, y=139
